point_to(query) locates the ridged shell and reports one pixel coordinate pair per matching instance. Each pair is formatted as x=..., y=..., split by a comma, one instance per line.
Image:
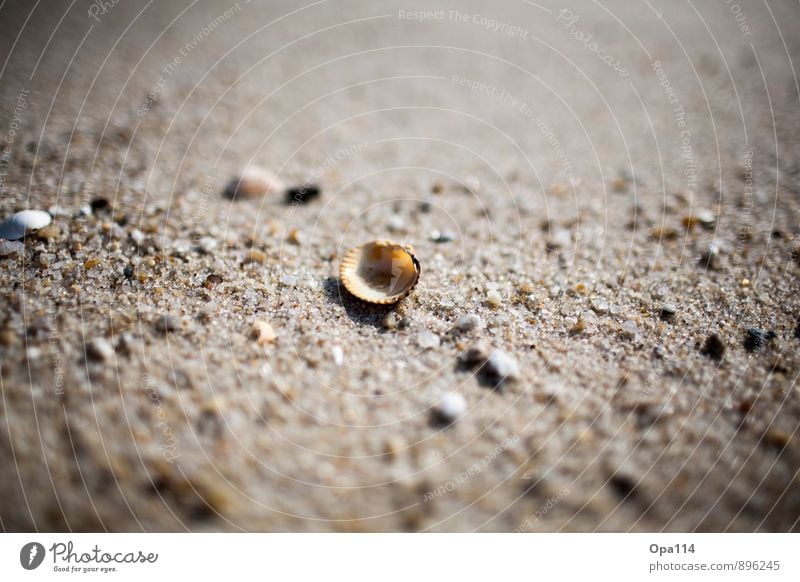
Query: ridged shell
x=380, y=271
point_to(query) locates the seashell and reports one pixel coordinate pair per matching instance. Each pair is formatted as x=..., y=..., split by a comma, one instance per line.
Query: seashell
x=380, y=271
x=24, y=222
x=253, y=182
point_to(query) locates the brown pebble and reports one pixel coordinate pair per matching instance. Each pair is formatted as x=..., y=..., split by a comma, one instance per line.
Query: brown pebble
x=296, y=236
x=256, y=256
x=91, y=263
x=212, y=281
x=713, y=347
x=48, y=232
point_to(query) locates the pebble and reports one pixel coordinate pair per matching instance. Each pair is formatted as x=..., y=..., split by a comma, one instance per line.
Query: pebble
x=477, y=353
x=493, y=298
x=10, y=247
x=501, y=367
x=263, y=332
x=441, y=237
x=390, y=320
x=206, y=244
x=713, y=347
x=468, y=322
x=757, y=338
x=667, y=312
x=24, y=222
x=599, y=305
x=255, y=256
x=338, y=355
x=48, y=232
x=302, y=194
x=254, y=182
x=99, y=349
x=472, y=183
x=629, y=329
x=167, y=323
x=289, y=280
x=296, y=236
x=395, y=223
x=450, y=408
x=428, y=340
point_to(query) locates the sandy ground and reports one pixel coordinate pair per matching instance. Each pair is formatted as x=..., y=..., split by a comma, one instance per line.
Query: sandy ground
x=626, y=195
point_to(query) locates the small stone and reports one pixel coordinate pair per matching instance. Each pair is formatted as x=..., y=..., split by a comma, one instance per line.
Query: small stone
x=166, y=323
x=599, y=305
x=49, y=232
x=91, y=263
x=395, y=223
x=212, y=281
x=493, y=298
x=441, y=237
x=710, y=258
x=450, y=408
x=501, y=367
x=390, y=320
x=302, y=194
x=296, y=237
x=477, y=353
x=263, y=333
x=99, y=204
x=713, y=347
x=253, y=182
x=393, y=446
x=428, y=340
x=11, y=247
x=338, y=355
x=630, y=330
x=706, y=218
x=468, y=322
x=437, y=188
x=288, y=280
x=667, y=312
x=99, y=349
x=23, y=223
x=619, y=184
x=472, y=184
x=757, y=338
x=137, y=236
x=255, y=256
x=207, y=245
x=578, y=328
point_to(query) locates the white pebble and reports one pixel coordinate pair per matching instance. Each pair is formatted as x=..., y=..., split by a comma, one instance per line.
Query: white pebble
x=630, y=329
x=289, y=280
x=493, y=298
x=469, y=322
x=428, y=340
x=451, y=407
x=23, y=222
x=501, y=367
x=338, y=355
x=99, y=349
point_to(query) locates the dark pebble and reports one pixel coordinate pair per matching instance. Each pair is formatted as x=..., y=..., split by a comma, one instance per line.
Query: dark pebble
x=757, y=338
x=713, y=347
x=212, y=281
x=302, y=194
x=128, y=272
x=99, y=204
x=167, y=323
x=623, y=485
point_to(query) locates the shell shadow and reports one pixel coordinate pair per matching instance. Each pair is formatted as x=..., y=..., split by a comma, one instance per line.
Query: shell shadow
x=359, y=312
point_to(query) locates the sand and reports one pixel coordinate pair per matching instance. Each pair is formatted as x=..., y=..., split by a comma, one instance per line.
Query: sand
x=615, y=200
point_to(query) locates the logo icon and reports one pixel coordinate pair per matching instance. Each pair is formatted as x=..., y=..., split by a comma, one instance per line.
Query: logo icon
x=31, y=555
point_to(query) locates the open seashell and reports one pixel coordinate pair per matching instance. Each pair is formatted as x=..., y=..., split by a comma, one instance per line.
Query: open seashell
x=380, y=271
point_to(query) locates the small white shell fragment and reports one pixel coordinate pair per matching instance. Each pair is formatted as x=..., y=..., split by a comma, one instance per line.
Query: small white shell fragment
x=428, y=340
x=451, y=407
x=380, y=271
x=501, y=367
x=254, y=182
x=24, y=222
x=494, y=298
x=263, y=332
x=338, y=355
